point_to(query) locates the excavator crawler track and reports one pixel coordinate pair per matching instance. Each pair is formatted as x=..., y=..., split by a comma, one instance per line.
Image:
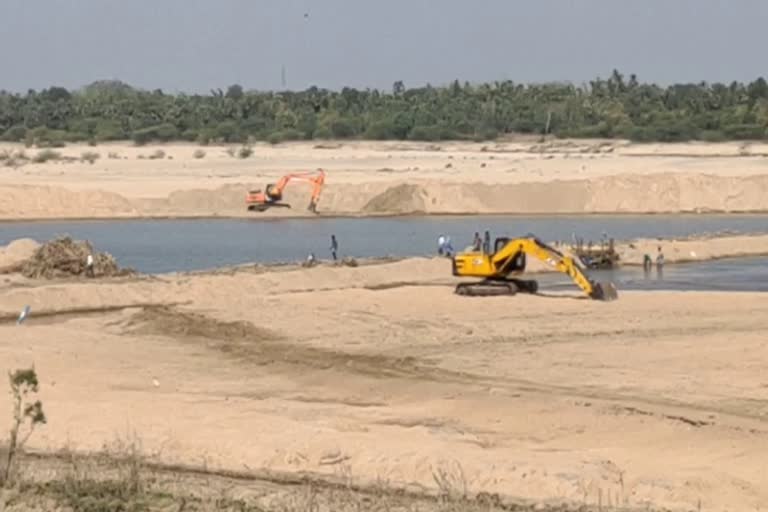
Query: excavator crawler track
x=492, y=288
x=264, y=207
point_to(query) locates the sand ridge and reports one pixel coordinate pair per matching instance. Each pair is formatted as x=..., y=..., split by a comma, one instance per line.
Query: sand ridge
x=369, y=178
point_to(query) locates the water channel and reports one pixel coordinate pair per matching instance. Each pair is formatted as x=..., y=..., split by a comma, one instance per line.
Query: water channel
x=159, y=246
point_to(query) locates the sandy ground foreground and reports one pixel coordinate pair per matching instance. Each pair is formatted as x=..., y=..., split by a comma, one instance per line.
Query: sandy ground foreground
x=368, y=178
x=382, y=373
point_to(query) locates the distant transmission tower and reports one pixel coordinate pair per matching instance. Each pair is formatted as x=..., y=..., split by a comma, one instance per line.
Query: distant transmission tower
x=282, y=76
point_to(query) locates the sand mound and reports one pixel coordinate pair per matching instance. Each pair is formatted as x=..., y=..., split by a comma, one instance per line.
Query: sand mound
x=225, y=199
x=660, y=193
x=349, y=262
x=404, y=198
x=13, y=256
x=65, y=257
x=40, y=202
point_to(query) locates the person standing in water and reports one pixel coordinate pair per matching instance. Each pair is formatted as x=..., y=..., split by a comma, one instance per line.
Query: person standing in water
x=647, y=264
x=660, y=263
x=334, y=247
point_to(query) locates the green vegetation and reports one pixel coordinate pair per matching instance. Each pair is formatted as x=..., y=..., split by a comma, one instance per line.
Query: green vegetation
x=26, y=416
x=245, y=152
x=13, y=159
x=613, y=107
x=111, y=481
x=89, y=156
x=45, y=155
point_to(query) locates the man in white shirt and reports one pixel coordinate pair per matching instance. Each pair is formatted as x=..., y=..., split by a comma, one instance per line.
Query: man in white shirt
x=441, y=244
x=89, y=266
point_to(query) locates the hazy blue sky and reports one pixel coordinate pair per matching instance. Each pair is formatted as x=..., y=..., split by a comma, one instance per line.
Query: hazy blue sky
x=194, y=45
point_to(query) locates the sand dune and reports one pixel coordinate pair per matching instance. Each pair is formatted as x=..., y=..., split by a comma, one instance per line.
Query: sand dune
x=616, y=194
x=366, y=178
x=16, y=253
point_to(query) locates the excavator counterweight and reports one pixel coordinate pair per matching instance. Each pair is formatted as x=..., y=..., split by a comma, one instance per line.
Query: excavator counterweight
x=509, y=259
x=260, y=201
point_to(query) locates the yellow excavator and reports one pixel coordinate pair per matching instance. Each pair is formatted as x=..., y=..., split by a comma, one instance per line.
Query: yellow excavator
x=509, y=258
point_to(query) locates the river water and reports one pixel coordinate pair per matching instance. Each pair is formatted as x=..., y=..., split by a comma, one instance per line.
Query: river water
x=730, y=274
x=158, y=246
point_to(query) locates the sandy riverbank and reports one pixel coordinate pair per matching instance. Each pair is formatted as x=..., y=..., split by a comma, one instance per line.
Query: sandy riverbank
x=368, y=178
x=382, y=373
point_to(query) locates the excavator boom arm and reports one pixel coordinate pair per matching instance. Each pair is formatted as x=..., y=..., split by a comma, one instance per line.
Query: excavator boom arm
x=549, y=255
x=317, y=178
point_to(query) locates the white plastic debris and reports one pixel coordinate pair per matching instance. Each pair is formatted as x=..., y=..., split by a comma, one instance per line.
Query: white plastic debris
x=23, y=316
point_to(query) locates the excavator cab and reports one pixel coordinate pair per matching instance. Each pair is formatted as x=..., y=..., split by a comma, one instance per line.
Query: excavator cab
x=272, y=193
x=259, y=201
x=497, y=267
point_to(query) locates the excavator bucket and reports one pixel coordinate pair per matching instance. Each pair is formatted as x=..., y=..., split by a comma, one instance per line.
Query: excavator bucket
x=604, y=291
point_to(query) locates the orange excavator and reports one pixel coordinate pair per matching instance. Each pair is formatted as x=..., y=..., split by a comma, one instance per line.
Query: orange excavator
x=259, y=201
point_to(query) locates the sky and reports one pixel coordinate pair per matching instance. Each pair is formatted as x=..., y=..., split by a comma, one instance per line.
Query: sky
x=196, y=45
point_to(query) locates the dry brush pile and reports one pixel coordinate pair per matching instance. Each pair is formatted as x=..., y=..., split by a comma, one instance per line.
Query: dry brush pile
x=65, y=257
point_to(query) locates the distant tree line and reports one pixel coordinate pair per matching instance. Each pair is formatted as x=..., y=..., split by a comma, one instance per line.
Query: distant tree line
x=614, y=107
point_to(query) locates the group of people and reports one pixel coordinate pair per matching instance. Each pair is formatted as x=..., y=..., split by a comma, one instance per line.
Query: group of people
x=334, y=248
x=648, y=262
x=482, y=244
x=445, y=247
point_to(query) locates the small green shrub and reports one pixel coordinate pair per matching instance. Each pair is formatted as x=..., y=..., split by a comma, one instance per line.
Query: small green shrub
x=15, y=133
x=14, y=160
x=107, y=129
x=23, y=383
x=162, y=132
x=245, y=152
x=45, y=156
x=204, y=138
x=90, y=157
